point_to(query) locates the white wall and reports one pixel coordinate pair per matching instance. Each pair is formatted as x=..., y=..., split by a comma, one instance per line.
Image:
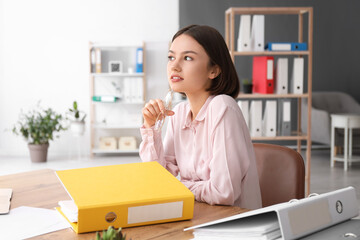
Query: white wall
x=44, y=54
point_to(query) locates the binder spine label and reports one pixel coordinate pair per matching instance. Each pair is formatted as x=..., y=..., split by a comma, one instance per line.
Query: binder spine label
x=155, y=212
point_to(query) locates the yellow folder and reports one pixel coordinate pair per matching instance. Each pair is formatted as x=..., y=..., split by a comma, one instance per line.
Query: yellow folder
x=126, y=195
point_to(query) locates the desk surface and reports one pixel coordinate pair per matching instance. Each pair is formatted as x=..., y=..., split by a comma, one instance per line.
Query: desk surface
x=43, y=189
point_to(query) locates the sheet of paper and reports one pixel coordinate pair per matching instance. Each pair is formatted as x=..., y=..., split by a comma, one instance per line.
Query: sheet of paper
x=25, y=222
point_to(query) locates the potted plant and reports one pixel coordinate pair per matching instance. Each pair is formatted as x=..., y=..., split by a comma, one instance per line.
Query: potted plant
x=38, y=127
x=247, y=85
x=77, y=120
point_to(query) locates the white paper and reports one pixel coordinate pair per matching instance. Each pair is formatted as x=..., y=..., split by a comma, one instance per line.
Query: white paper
x=26, y=222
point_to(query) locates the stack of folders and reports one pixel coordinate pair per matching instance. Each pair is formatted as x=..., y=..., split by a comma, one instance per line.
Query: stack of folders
x=251, y=40
x=258, y=227
x=258, y=123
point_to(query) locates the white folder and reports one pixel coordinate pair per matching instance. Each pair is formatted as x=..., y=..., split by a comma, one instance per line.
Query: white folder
x=243, y=43
x=297, y=79
x=281, y=83
x=244, y=106
x=269, y=121
x=139, y=90
x=302, y=217
x=258, y=33
x=256, y=118
x=284, y=117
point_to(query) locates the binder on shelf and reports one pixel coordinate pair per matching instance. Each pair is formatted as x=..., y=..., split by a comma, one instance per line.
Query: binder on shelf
x=297, y=77
x=258, y=33
x=98, y=60
x=286, y=46
x=244, y=106
x=105, y=98
x=282, y=76
x=139, y=60
x=125, y=195
x=263, y=74
x=243, y=43
x=256, y=118
x=269, y=121
x=296, y=219
x=284, y=119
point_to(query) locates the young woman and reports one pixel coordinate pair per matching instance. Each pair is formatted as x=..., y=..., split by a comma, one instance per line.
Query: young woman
x=207, y=140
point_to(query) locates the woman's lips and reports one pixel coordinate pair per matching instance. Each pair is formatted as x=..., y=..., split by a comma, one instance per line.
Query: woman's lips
x=176, y=78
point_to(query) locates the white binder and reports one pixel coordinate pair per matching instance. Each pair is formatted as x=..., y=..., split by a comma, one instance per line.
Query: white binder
x=269, y=121
x=284, y=117
x=281, y=82
x=302, y=217
x=244, y=106
x=243, y=43
x=258, y=33
x=256, y=118
x=297, y=78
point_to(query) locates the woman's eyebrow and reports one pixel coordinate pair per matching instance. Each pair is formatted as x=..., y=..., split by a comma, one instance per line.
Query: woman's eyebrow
x=184, y=52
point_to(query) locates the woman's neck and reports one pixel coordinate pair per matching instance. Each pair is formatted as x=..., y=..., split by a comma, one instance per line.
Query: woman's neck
x=196, y=102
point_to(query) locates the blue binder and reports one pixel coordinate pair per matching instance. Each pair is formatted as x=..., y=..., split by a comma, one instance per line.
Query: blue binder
x=139, y=60
x=286, y=46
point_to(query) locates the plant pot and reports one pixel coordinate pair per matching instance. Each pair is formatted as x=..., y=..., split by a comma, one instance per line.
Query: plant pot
x=77, y=128
x=38, y=152
x=247, y=88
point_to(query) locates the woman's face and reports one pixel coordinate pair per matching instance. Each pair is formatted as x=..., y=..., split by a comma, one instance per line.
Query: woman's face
x=188, y=66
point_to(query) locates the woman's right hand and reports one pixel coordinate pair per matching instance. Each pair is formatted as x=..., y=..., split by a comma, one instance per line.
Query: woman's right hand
x=151, y=111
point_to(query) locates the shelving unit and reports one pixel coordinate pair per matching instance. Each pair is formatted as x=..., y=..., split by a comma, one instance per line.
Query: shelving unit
x=122, y=117
x=298, y=135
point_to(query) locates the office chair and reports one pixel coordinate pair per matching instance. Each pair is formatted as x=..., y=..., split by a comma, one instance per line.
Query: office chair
x=281, y=173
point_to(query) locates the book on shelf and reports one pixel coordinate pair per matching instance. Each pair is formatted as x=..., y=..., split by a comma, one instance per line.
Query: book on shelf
x=97, y=60
x=139, y=60
x=282, y=76
x=258, y=33
x=286, y=46
x=263, y=74
x=297, y=77
x=243, y=42
x=105, y=98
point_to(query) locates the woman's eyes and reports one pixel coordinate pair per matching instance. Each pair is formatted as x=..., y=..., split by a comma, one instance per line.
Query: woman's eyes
x=186, y=58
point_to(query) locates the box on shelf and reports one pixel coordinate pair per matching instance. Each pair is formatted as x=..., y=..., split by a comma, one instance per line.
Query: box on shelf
x=108, y=143
x=127, y=143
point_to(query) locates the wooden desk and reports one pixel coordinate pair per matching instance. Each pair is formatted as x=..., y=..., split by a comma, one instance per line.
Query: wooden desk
x=43, y=189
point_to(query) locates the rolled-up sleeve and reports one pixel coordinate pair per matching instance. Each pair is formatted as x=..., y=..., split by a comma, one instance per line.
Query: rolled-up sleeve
x=152, y=148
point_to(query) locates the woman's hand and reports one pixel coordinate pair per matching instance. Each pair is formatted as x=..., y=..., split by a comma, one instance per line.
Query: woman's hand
x=151, y=111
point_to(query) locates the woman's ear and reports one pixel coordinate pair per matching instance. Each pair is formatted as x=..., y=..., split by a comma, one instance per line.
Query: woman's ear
x=214, y=72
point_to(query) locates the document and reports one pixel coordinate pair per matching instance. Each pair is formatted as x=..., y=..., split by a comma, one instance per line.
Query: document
x=26, y=222
x=243, y=43
x=5, y=197
x=281, y=83
x=297, y=79
x=258, y=33
x=263, y=74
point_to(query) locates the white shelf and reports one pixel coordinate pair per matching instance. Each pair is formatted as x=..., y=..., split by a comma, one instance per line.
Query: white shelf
x=120, y=102
x=113, y=126
x=117, y=74
x=97, y=151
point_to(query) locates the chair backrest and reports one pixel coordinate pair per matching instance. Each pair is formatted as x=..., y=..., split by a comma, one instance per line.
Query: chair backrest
x=281, y=173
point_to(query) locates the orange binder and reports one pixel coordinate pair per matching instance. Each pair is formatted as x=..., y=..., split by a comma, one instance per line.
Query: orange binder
x=263, y=74
x=125, y=195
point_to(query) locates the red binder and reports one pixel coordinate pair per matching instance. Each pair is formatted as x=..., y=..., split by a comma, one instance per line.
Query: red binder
x=263, y=74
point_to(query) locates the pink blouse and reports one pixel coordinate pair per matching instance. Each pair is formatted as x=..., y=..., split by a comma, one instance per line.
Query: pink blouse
x=213, y=153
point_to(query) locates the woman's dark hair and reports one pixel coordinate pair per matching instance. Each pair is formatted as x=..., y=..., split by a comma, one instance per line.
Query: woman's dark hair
x=227, y=82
